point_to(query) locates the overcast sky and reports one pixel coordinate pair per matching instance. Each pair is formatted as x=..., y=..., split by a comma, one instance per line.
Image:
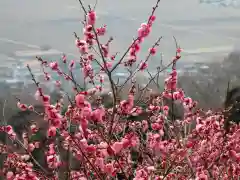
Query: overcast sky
x=28, y=24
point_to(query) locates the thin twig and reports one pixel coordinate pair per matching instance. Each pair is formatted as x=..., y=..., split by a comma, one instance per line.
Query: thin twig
x=109, y=74
x=65, y=74
x=4, y=119
x=85, y=156
x=135, y=40
x=137, y=68
x=33, y=78
x=174, y=67
x=95, y=5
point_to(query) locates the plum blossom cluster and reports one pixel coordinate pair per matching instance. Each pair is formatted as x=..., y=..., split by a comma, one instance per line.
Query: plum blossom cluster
x=19, y=167
x=143, y=32
x=88, y=140
x=9, y=131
